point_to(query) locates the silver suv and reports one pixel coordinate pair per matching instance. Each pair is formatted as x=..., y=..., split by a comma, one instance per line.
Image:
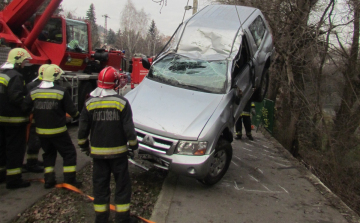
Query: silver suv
x=185, y=109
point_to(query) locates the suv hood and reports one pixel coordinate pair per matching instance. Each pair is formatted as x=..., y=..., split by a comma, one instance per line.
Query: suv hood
x=171, y=111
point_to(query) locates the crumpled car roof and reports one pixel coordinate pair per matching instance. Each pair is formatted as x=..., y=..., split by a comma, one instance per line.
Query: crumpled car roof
x=214, y=33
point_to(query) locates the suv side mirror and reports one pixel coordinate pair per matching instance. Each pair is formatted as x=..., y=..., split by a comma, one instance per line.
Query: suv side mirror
x=145, y=62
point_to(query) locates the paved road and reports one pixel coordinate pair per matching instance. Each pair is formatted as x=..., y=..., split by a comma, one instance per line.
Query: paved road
x=263, y=184
x=13, y=202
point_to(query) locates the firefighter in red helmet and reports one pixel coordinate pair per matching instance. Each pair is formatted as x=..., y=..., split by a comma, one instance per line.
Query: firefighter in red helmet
x=107, y=117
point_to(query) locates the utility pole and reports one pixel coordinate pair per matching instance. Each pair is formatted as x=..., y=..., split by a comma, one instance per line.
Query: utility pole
x=195, y=6
x=106, y=17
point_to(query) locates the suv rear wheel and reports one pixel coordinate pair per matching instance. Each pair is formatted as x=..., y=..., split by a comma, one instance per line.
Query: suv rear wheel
x=220, y=163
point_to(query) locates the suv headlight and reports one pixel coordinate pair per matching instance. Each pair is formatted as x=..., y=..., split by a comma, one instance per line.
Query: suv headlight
x=191, y=148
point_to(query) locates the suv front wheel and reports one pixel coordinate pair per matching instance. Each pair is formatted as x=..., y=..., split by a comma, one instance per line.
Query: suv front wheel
x=220, y=162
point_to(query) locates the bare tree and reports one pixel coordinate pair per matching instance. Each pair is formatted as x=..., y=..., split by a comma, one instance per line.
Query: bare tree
x=134, y=25
x=316, y=69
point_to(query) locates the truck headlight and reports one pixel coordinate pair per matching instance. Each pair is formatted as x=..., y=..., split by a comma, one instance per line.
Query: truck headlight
x=191, y=148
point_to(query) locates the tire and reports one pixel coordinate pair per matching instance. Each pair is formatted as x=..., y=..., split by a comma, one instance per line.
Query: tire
x=261, y=91
x=84, y=93
x=220, y=164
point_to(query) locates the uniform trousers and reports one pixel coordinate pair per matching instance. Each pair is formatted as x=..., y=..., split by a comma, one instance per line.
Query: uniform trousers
x=59, y=143
x=247, y=124
x=34, y=146
x=102, y=170
x=12, y=152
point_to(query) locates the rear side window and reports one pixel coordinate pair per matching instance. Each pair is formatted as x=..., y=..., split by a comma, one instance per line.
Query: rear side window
x=257, y=29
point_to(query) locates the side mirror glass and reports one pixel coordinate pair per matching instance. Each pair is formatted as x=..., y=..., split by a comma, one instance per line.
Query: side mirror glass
x=145, y=63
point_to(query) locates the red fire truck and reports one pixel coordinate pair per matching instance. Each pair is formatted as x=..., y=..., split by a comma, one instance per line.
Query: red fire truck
x=53, y=39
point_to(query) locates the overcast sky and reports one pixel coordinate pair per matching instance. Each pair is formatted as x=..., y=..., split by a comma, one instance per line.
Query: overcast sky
x=167, y=21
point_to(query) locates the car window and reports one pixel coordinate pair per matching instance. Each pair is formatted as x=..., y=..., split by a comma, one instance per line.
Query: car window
x=243, y=57
x=258, y=29
x=194, y=74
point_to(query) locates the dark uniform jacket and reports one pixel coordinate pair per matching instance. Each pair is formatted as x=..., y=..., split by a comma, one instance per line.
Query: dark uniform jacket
x=109, y=119
x=12, y=93
x=50, y=108
x=249, y=105
x=32, y=85
x=29, y=87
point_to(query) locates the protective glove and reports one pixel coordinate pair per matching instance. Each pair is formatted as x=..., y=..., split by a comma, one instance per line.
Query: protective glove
x=131, y=153
x=86, y=150
x=76, y=118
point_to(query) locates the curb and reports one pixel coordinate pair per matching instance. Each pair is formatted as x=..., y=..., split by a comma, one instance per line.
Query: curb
x=164, y=200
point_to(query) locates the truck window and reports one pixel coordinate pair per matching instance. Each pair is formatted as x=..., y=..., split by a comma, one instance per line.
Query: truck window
x=76, y=36
x=257, y=29
x=52, y=31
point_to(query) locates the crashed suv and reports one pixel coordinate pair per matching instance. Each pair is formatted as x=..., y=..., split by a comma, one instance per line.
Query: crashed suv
x=185, y=109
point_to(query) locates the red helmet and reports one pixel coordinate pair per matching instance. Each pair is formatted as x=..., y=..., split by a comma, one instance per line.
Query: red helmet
x=108, y=78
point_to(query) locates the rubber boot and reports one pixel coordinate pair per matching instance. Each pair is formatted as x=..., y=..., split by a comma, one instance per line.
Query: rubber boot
x=238, y=135
x=250, y=136
x=50, y=180
x=70, y=178
x=2, y=176
x=16, y=184
x=102, y=217
x=33, y=166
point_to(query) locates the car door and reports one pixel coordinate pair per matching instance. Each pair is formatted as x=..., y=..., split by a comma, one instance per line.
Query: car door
x=242, y=76
x=257, y=32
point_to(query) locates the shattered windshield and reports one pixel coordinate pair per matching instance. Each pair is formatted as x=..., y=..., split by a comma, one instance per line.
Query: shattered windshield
x=201, y=75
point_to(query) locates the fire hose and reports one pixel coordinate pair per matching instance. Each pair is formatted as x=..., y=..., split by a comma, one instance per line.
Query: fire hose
x=77, y=190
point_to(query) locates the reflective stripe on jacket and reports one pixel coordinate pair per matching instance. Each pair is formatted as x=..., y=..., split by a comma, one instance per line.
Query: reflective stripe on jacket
x=12, y=93
x=50, y=108
x=109, y=121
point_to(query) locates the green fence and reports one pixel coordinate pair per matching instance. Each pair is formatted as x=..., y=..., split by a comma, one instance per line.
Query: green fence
x=264, y=115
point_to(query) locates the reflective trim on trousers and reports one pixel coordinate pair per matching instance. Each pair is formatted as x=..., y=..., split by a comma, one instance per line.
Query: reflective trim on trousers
x=122, y=207
x=49, y=169
x=2, y=168
x=69, y=169
x=51, y=131
x=16, y=171
x=101, y=207
x=108, y=150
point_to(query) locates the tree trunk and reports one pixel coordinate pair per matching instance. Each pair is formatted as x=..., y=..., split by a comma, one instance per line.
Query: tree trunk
x=347, y=117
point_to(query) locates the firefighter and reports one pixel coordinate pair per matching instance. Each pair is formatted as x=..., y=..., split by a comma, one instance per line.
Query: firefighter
x=245, y=118
x=51, y=103
x=107, y=117
x=12, y=120
x=34, y=145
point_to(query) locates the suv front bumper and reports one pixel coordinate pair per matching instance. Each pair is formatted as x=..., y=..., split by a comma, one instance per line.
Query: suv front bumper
x=162, y=150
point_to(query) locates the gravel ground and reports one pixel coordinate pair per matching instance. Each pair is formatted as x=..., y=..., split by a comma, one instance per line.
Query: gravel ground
x=61, y=205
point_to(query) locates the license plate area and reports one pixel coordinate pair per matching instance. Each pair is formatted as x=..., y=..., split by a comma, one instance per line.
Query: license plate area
x=153, y=159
